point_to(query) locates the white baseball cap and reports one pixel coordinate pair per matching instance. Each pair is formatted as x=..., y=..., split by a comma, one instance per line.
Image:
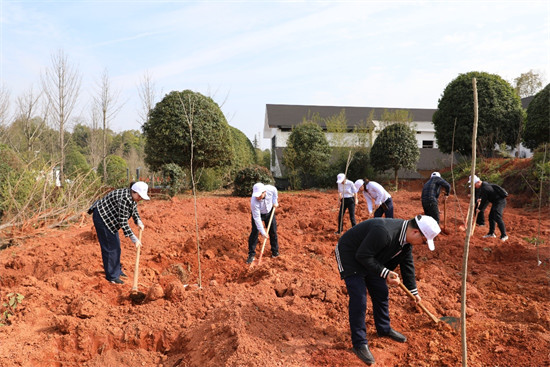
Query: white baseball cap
x=476, y=179
x=434, y=174
x=258, y=189
x=340, y=178
x=358, y=184
x=429, y=228
x=141, y=188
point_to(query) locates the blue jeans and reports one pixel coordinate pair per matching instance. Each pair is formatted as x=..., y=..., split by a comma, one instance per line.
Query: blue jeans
x=110, y=248
x=357, y=286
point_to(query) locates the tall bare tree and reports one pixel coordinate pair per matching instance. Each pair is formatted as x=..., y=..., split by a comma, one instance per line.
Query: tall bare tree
x=31, y=116
x=61, y=85
x=4, y=110
x=147, y=94
x=108, y=106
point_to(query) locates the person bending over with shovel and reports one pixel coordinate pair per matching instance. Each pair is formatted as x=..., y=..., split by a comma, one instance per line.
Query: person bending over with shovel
x=262, y=205
x=111, y=213
x=430, y=195
x=373, y=191
x=367, y=255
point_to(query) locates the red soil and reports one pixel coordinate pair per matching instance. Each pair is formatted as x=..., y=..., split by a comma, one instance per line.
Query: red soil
x=288, y=311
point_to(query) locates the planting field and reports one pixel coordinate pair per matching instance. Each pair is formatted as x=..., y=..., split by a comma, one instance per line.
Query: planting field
x=288, y=311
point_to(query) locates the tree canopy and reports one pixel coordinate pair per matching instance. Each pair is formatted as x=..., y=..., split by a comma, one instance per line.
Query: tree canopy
x=307, y=153
x=499, y=114
x=182, y=120
x=537, y=126
x=395, y=148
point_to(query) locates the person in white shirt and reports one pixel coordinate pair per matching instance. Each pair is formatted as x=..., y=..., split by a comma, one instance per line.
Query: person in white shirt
x=373, y=191
x=262, y=203
x=347, y=193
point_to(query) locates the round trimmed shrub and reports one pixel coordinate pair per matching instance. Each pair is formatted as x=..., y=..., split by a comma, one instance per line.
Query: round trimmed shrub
x=247, y=177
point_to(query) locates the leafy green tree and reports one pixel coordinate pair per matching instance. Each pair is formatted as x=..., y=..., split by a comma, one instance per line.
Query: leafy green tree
x=528, y=84
x=75, y=162
x=116, y=171
x=248, y=176
x=395, y=148
x=184, y=125
x=307, y=153
x=537, y=126
x=499, y=114
x=243, y=151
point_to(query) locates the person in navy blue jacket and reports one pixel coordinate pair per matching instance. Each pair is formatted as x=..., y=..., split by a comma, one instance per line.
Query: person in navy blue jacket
x=430, y=195
x=367, y=256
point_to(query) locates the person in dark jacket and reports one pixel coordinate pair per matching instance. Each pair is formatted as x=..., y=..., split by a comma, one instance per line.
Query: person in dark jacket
x=367, y=256
x=112, y=213
x=491, y=193
x=430, y=195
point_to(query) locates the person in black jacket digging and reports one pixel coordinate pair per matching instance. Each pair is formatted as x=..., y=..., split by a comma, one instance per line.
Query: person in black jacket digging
x=496, y=195
x=367, y=255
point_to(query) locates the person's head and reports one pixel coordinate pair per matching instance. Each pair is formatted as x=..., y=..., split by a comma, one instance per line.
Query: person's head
x=422, y=230
x=340, y=178
x=359, y=184
x=365, y=182
x=436, y=174
x=139, y=191
x=258, y=190
x=477, y=181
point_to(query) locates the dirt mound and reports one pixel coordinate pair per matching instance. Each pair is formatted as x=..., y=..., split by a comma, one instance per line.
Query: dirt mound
x=288, y=311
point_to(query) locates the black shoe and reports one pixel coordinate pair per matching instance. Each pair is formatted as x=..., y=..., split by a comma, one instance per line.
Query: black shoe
x=275, y=254
x=117, y=281
x=123, y=275
x=364, y=354
x=250, y=259
x=398, y=337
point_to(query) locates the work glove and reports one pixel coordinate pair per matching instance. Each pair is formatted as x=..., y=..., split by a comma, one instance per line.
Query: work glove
x=135, y=240
x=140, y=225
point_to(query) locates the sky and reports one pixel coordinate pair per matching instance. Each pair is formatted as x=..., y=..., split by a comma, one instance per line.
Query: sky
x=246, y=54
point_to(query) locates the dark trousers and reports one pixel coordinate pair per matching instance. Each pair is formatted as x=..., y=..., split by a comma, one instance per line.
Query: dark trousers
x=357, y=286
x=253, y=238
x=386, y=208
x=110, y=248
x=480, y=221
x=349, y=204
x=495, y=217
x=431, y=208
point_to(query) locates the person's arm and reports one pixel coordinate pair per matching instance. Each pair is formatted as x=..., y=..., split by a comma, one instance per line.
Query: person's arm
x=256, y=215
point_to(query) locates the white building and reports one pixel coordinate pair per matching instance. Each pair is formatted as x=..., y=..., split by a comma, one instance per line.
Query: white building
x=280, y=119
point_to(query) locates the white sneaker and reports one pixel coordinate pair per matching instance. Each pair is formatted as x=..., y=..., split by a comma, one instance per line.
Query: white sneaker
x=490, y=235
x=504, y=239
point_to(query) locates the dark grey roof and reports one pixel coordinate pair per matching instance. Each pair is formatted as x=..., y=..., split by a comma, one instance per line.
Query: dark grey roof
x=525, y=101
x=281, y=115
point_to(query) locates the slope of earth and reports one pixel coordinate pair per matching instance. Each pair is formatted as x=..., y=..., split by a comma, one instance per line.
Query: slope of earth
x=286, y=311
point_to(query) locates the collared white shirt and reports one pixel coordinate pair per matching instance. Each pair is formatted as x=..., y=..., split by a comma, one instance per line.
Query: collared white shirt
x=375, y=191
x=347, y=188
x=264, y=206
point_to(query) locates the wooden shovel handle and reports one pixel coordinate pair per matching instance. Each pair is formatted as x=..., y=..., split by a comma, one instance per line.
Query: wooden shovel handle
x=267, y=232
x=136, y=268
x=435, y=319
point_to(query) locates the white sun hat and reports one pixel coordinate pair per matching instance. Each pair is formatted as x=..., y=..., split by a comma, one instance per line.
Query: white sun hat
x=141, y=188
x=258, y=189
x=340, y=178
x=429, y=228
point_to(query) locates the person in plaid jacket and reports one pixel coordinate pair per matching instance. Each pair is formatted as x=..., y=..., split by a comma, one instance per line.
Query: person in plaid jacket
x=112, y=213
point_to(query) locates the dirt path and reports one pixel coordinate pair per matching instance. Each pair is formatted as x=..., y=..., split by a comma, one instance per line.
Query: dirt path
x=290, y=311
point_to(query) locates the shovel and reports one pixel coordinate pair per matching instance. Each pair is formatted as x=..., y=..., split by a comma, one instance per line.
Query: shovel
x=266, y=231
x=452, y=321
x=444, y=229
x=135, y=296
